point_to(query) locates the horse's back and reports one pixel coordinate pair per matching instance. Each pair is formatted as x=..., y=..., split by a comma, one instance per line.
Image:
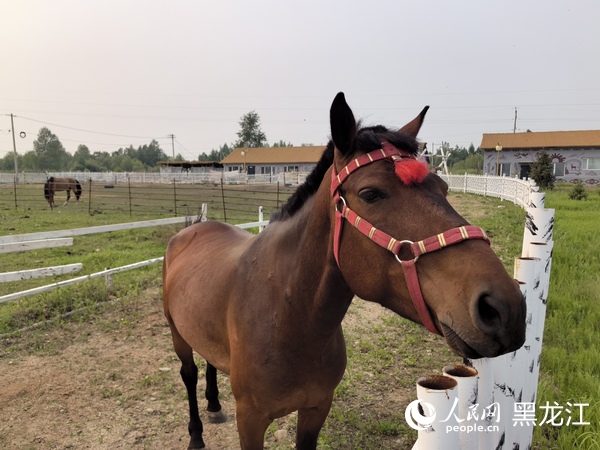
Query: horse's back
x=198, y=273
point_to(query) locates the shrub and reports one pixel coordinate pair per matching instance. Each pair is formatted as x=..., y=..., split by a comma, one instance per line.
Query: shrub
x=578, y=192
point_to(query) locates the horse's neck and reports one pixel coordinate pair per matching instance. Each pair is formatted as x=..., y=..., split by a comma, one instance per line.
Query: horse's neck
x=314, y=278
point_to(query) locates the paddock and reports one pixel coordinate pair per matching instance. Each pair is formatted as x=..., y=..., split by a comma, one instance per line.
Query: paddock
x=131, y=385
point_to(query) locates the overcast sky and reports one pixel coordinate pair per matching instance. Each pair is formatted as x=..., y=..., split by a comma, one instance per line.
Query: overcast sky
x=110, y=74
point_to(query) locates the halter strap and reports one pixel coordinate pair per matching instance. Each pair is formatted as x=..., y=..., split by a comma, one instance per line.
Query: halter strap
x=433, y=243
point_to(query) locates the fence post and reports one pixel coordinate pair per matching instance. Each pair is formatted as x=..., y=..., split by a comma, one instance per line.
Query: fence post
x=129, y=192
x=15, y=190
x=204, y=212
x=90, y=198
x=277, y=194
x=466, y=379
x=175, y=196
x=260, y=218
x=223, y=199
x=437, y=392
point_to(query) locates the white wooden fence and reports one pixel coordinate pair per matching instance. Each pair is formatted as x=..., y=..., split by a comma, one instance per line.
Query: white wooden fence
x=210, y=177
x=24, y=239
x=495, y=406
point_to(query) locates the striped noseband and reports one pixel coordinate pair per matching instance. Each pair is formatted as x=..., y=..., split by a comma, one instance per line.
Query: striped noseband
x=433, y=243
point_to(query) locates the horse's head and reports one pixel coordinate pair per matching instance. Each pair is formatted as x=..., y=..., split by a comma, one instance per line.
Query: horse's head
x=389, y=211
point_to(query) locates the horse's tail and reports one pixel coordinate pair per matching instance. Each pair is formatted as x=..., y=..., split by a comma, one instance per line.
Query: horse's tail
x=77, y=190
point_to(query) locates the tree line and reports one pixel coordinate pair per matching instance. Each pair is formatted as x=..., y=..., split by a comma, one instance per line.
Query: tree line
x=48, y=153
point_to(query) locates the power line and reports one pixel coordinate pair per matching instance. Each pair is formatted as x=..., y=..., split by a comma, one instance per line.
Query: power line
x=85, y=131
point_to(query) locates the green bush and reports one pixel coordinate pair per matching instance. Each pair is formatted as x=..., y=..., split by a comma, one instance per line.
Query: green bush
x=542, y=171
x=578, y=192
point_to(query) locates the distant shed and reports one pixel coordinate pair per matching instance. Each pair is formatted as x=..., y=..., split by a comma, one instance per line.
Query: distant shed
x=189, y=166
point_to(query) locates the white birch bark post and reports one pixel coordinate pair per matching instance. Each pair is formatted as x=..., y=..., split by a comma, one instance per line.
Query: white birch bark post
x=539, y=227
x=542, y=251
x=527, y=270
x=485, y=398
x=438, y=392
x=537, y=199
x=466, y=379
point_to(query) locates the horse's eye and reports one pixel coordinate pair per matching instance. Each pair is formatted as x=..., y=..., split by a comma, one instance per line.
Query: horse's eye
x=370, y=195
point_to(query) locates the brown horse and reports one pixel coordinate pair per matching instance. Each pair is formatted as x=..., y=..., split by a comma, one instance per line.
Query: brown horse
x=61, y=184
x=267, y=309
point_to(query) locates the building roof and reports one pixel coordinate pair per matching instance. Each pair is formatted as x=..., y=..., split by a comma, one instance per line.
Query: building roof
x=541, y=139
x=275, y=155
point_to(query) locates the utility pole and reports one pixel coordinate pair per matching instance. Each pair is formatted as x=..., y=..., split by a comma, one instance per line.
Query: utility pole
x=515, y=126
x=172, y=136
x=12, y=125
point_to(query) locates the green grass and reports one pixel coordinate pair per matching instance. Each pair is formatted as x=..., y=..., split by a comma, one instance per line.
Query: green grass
x=570, y=361
x=386, y=356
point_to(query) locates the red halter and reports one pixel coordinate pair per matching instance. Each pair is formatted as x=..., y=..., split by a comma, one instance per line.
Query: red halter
x=433, y=243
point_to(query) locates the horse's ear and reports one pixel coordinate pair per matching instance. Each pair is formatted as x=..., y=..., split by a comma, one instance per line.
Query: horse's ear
x=343, y=124
x=412, y=128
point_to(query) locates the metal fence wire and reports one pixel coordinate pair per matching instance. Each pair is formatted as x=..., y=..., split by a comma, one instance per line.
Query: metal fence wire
x=234, y=203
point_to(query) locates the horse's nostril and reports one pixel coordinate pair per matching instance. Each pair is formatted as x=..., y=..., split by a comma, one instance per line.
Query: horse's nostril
x=489, y=316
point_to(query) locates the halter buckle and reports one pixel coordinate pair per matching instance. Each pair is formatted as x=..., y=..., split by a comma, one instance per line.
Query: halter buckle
x=409, y=243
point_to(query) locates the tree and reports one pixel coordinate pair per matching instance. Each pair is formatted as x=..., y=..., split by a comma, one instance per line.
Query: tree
x=151, y=154
x=51, y=155
x=282, y=143
x=216, y=155
x=542, y=171
x=80, y=157
x=250, y=134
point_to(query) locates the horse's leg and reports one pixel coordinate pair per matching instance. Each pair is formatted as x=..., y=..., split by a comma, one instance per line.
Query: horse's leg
x=215, y=414
x=310, y=421
x=68, y=197
x=251, y=425
x=189, y=375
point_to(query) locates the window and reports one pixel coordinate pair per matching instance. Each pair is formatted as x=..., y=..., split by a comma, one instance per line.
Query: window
x=559, y=169
x=291, y=168
x=267, y=170
x=591, y=164
x=504, y=169
x=234, y=169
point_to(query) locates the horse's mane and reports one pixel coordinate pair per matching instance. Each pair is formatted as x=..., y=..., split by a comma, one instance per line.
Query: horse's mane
x=306, y=189
x=367, y=139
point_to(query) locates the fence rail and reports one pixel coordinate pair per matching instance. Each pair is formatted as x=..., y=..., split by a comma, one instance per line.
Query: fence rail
x=209, y=177
x=512, y=189
x=25, y=238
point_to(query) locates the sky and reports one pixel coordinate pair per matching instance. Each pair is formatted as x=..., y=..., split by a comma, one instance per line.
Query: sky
x=113, y=73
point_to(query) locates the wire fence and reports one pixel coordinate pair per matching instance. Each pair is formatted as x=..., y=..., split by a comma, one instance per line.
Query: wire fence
x=231, y=203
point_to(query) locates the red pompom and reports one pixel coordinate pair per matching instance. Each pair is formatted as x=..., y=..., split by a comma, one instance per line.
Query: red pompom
x=411, y=171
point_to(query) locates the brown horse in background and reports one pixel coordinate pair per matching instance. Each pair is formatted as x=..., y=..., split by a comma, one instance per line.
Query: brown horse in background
x=267, y=309
x=61, y=184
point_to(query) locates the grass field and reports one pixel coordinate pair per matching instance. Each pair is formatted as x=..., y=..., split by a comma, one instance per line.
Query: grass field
x=570, y=364
x=386, y=353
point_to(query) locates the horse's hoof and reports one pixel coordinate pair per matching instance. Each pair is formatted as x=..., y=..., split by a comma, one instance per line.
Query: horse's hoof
x=217, y=417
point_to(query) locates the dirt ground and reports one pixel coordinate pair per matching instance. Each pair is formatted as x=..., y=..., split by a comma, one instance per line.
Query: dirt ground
x=110, y=383
x=110, y=380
